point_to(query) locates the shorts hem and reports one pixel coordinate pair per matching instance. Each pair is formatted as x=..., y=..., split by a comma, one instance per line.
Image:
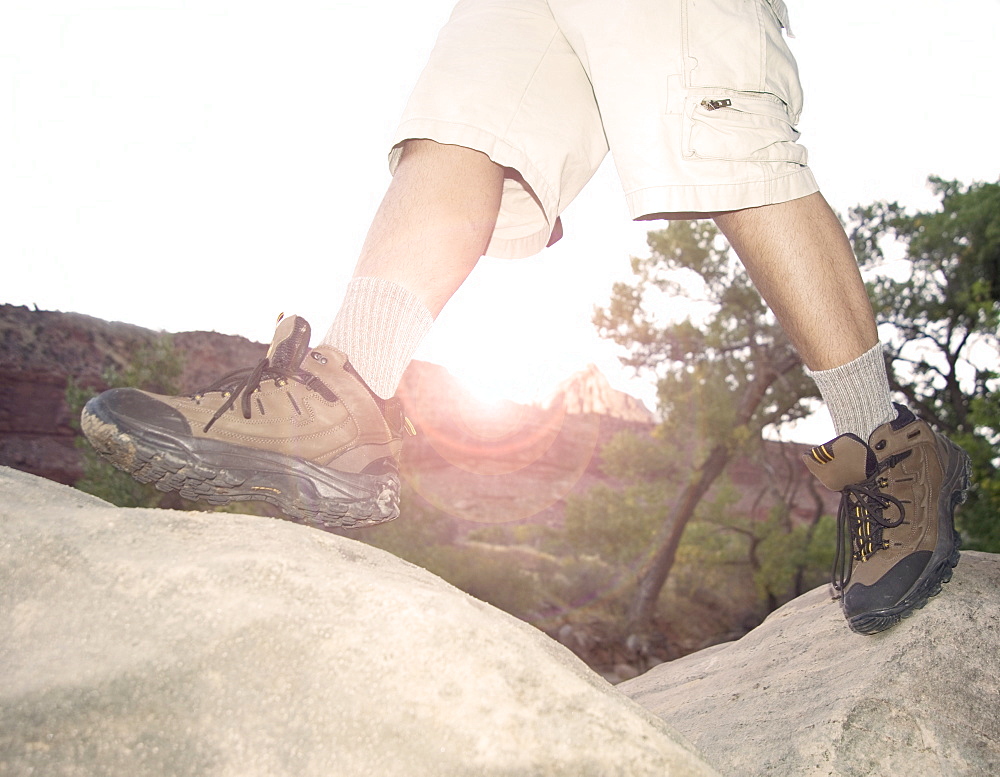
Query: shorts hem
x=719, y=197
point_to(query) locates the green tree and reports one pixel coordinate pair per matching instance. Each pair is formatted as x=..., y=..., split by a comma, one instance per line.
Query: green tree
x=939, y=306
x=787, y=555
x=614, y=530
x=786, y=558
x=619, y=524
x=725, y=371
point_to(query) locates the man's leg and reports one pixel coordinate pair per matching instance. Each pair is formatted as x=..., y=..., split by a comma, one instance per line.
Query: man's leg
x=799, y=258
x=801, y=262
x=435, y=221
x=315, y=430
x=303, y=429
x=432, y=228
x=900, y=480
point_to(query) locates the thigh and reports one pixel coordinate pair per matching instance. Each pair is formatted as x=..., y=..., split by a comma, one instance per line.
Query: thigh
x=503, y=79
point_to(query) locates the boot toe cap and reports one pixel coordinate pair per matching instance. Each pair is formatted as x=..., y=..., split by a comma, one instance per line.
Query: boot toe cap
x=890, y=590
x=132, y=410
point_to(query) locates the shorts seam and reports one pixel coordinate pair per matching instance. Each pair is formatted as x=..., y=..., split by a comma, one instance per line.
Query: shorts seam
x=762, y=41
x=763, y=181
x=531, y=80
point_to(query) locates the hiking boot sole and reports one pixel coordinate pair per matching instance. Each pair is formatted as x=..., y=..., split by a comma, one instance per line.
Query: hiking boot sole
x=939, y=570
x=221, y=473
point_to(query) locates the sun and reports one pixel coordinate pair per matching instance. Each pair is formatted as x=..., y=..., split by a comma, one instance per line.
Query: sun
x=492, y=390
x=493, y=366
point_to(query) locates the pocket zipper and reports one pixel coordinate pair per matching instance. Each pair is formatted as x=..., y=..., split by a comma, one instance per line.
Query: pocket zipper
x=714, y=105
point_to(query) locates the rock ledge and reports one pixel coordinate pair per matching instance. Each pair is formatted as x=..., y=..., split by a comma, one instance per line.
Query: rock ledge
x=157, y=642
x=803, y=695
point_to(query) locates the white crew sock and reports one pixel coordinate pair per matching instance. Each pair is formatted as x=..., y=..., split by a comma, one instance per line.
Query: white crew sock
x=857, y=394
x=379, y=326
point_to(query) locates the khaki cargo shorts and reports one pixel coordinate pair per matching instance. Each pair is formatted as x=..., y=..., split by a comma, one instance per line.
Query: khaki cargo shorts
x=696, y=99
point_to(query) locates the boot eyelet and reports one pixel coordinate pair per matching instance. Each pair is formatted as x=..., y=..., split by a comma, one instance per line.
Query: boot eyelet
x=880, y=445
x=319, y=357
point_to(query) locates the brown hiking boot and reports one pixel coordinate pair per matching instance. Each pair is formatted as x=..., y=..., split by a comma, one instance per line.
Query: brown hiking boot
x=300, y=430
x=896, y=541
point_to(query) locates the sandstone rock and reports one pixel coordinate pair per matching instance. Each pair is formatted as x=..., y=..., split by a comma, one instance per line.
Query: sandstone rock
x=152, y=642
x=588, y=391
x=802, y=695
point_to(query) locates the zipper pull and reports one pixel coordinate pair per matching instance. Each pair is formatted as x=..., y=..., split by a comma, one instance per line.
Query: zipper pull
x=714, y=105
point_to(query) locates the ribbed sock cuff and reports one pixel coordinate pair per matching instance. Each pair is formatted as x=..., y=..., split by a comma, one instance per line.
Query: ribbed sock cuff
x=857, y=394
x=379, y=326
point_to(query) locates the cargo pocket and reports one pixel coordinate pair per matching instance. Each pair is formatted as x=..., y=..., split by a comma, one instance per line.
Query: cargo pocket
x=723, y=46
x=739, y=46
x=741, y=127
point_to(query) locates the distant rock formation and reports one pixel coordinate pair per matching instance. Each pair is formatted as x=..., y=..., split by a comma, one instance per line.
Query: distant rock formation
x=801, y=694
x=159, y=642
x=484, y=463
x=480, y=463
x=40, y=351
x=588, y=391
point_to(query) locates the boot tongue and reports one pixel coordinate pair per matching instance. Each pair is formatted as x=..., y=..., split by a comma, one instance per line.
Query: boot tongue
x=844, y=461
x=290, y=344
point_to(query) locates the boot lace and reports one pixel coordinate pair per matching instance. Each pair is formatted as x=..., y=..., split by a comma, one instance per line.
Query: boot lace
x=861, y=521
x=241, y=384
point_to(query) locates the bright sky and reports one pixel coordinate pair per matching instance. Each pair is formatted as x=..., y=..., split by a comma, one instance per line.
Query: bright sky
x=207, y=164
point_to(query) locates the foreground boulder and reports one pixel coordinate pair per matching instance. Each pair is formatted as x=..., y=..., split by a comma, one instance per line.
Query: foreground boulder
x=150, y=642
x=802, y=695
